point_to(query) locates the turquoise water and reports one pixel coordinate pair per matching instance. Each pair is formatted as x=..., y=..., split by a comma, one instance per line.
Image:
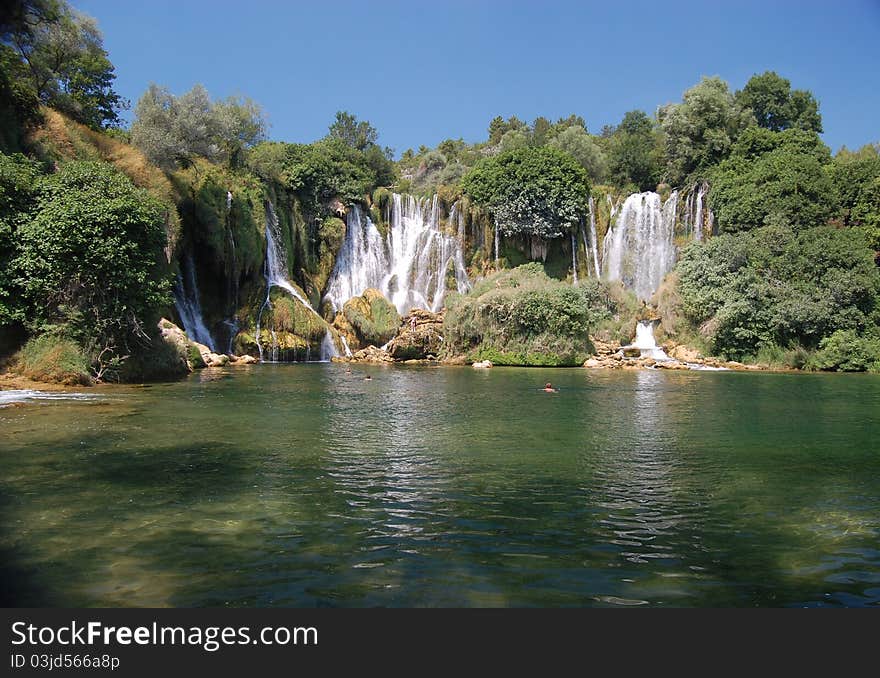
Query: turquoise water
x=303, y=485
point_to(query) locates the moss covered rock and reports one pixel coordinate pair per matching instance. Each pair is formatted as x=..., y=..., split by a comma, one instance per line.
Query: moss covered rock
x=420, y=338
x=371, y=317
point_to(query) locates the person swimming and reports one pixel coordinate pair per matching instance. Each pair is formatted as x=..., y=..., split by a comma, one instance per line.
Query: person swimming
x=548, y=388
x=368, y=378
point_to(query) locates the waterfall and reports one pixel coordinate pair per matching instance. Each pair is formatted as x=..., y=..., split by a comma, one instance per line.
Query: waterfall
x=646, y=343
x=593, y=239
x=186, y=301
x=497, y=241
x=328, y=347
x=345, y=345
x=574, y=260
x=698, y=220
x=638, y=247
x=275, y=272
x=409, y=266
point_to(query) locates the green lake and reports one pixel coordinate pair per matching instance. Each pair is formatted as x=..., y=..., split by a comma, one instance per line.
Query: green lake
x=305, y=485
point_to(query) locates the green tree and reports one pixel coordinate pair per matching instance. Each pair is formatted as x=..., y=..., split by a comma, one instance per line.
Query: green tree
x=856, y=179
x=172, y=130
x=772, y=176
x=775, y=286
x=777, y=107
x=632, y=152
x=90, y=262
x=18, y=185
x=537, y=191
x=701, y=130
x=575, y=141
x=67, y=66
x=357, y=134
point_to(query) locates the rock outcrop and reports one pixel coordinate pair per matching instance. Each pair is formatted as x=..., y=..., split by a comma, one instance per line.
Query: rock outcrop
x=420, y=336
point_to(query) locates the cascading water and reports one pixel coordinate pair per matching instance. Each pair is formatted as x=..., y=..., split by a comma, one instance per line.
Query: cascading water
x=638, y=248
x=593, y=238
x=328, y=347
x=646, y=343
x=275, y=272
x=186, y=301
x=409, y=266
x=574, y=260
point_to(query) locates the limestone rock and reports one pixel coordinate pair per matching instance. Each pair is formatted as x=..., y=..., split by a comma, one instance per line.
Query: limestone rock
x=685, y=354
x=420, y=336
x=482, y=364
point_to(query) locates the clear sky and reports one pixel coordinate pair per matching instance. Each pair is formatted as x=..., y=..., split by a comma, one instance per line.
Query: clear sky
x=422, y=72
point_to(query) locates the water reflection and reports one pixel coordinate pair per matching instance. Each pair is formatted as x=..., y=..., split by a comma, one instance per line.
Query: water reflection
x=304, y=485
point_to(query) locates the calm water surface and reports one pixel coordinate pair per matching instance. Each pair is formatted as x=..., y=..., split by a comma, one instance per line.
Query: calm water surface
x=303, y=485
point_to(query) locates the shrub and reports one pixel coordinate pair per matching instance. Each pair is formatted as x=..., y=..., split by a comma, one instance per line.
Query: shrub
x=847, y=351
x=55, y=359
x=524, y=317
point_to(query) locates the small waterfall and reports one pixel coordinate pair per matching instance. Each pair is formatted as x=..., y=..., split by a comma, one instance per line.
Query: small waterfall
x=345, y=345
x=646, y=343
x=593, y=239
x=328, y=347
x=638, y=248
x=497, y=242
x=409, y=266
x=698, y=220
x=574, y=260
x=275, y=272
x=186, y=301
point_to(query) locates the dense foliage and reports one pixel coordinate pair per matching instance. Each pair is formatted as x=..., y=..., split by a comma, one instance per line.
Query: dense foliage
x=777, y=107
x=89, y=262
x=523, y=317
x=771, y=176
x=776, y=286
x=171, y=130
x=537, y=191
x=634, y=153
x=56, y=57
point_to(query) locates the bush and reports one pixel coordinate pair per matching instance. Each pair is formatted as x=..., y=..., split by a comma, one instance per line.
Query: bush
x=775, y=287
x=52, y=358
x=524, y=317
x=847, y=351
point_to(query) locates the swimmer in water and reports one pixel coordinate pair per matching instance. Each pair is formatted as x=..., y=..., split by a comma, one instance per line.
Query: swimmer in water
x=368, y=378
x=548, y=388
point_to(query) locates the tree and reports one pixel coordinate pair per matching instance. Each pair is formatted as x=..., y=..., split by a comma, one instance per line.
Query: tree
x=701, y=130
x=775, y=287
x=90, y=261
x=773, y=176
x=358, y=135
x=66, y=65
x=777, y=107
x=541, y=131
x=18, y=184
x=537, y=191
x=856, y=179
x=172, y=130
x=575, y=141
x=632, y=154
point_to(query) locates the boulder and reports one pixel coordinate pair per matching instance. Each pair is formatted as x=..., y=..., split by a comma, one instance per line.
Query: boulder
x=592, y=363
x=685, y=354
x=482, y=364
x=369, y=319
x=420, y=336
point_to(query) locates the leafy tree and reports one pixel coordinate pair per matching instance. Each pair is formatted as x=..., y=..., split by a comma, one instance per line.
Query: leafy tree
x=778, y=287
x=575, y=141
x=632, y=153
x=66, y=65
x=701, y=130
x=773, y=176
x=90, y=261
x=498, y=127
x=538, y=191
x=541, y=131
x=172, y=130
x=358, y=135
x=18, y=184
x=856, y=179
x=777, y=107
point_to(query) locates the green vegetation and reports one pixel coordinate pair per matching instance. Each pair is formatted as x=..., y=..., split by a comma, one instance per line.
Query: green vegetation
x=777, y=107
x=776, y=286
x=373, y=318
x=523, y=317
x=634, y=152
x=773, y=176
x=89, y=262
x=55, y=56
x=535, y=191
x=53, y=358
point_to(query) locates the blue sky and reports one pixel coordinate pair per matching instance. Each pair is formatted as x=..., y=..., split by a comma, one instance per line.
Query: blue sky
x=422, y=72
